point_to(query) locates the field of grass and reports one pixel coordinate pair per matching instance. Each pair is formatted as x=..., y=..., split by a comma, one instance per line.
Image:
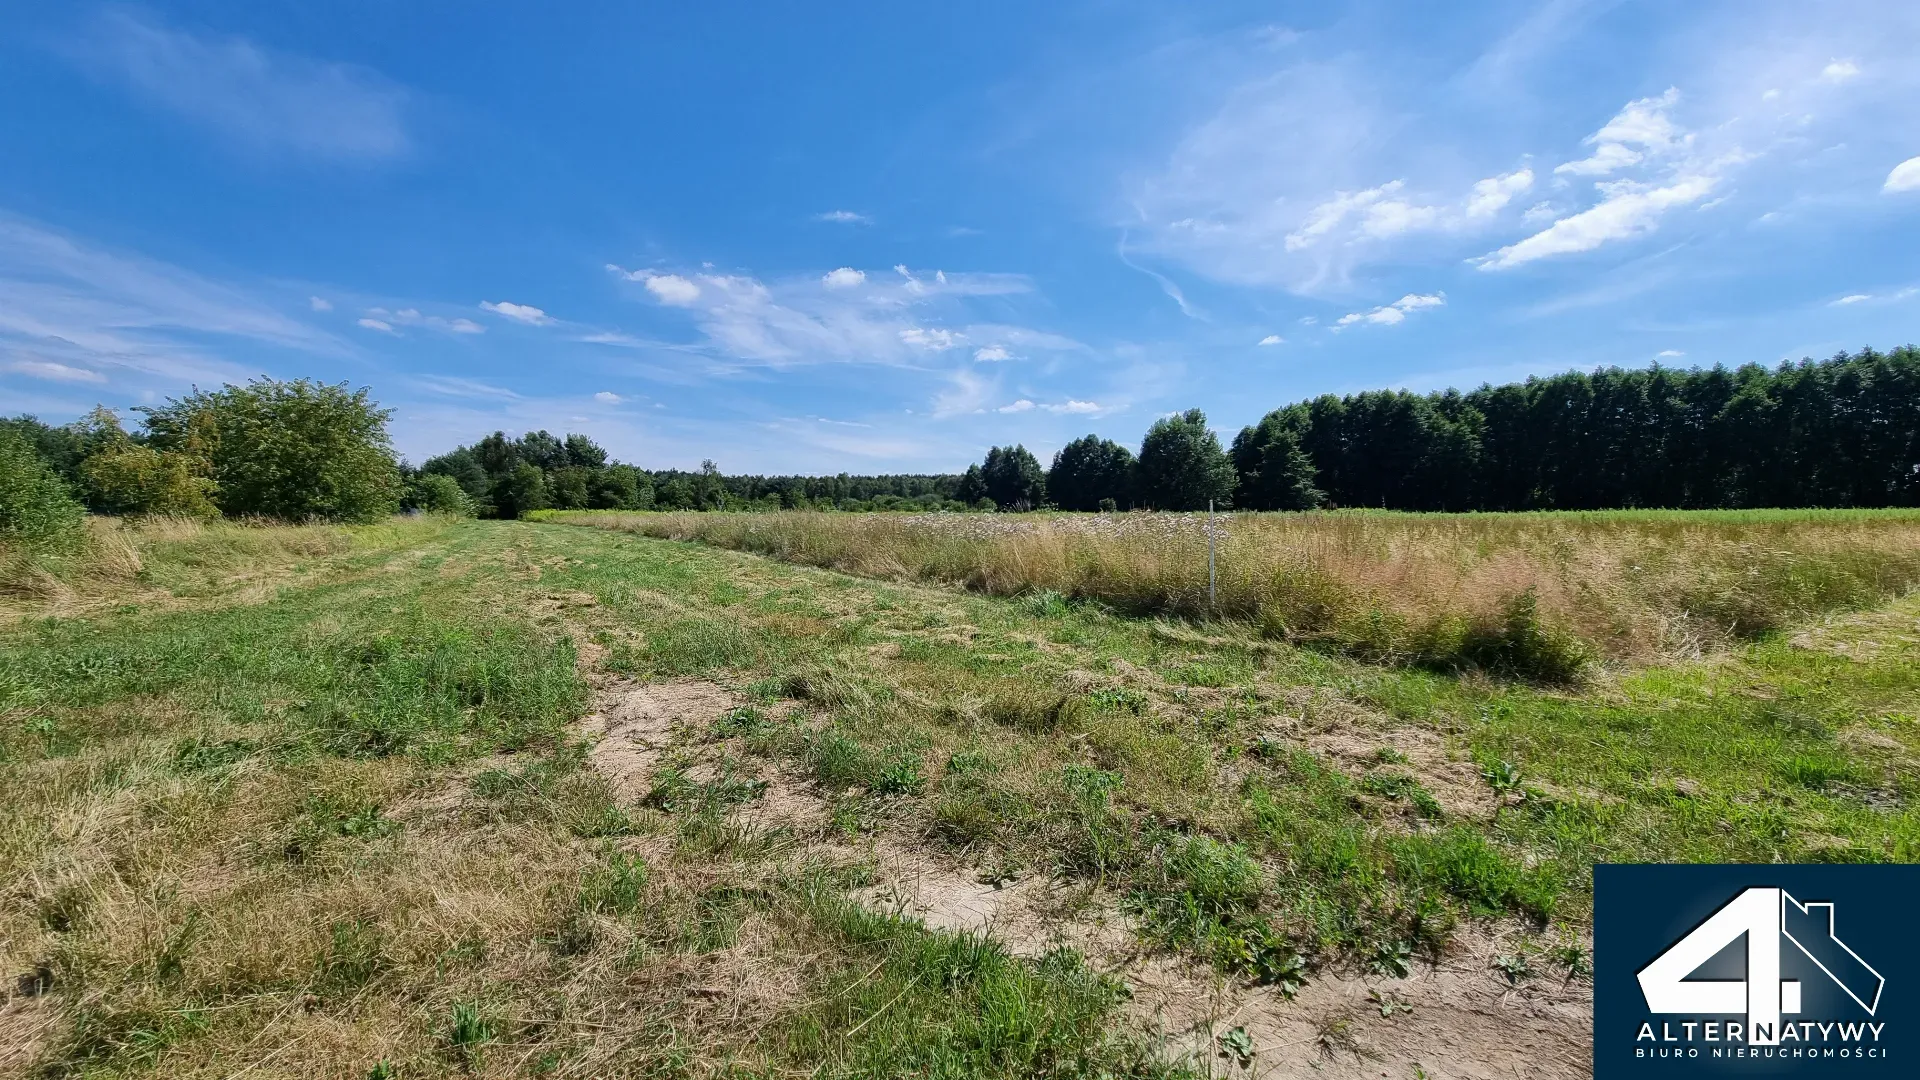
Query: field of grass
x=1527, y=594
x=367, y=802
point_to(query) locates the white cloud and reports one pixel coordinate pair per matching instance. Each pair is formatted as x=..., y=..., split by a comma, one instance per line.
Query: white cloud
x=1642, y=124
x=1904, y=177
x=1327, y=216
x=936, y=339
x=1276, y=180
x=412, y=317
x=1840, y=71
x=1608, y=158
x=319, y=303
x=1075, y=408
x=1273, y=339
x=524, y=313
x=1395, y=216
x=670, y=289
x=1383, y=213
x=1394, y=313
x=1668, y=354
x=1491, y=195
x=673, y=290
x=990, y=354
x=608, y=397
x=1862, y=298
x=844, y=278
x=1627, y=210
x=263, y=100
x=57, y=372
x=1023, y=405
x=891, y=321
x=844, y=217
x=377, y=324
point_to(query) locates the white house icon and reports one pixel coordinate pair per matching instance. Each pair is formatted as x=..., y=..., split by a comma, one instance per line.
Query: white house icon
x=1766, y=916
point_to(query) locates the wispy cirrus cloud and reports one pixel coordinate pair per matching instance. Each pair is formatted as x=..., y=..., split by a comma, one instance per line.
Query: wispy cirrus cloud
x=843, y=217
x=455, y=386
x=847, y=315
x=1308, y=168
x=256, y=98
x=1851, y=299
x=1069, y=407
x=53, y=371
x=71, y=306
x=412, y=317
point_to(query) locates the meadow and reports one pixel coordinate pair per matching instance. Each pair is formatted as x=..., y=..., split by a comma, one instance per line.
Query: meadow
x=1533, y=594
x=969, y=796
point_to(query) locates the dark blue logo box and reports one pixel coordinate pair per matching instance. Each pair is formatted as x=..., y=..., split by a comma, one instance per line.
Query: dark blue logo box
x=1756, y=971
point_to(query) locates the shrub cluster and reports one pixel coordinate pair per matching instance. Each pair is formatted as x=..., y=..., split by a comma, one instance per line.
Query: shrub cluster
x=37, y=509
x=293, y=451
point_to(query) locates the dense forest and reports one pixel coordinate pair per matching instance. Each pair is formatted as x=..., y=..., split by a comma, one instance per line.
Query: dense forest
x=1839, y=432
x=1843, y=432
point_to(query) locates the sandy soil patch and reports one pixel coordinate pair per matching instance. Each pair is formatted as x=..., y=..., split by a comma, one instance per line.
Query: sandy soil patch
x=1455, y=784
x=636, y=724
x=1457, y=1020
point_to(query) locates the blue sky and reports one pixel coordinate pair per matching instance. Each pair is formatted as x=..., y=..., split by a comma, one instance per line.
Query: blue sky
x=805, y=238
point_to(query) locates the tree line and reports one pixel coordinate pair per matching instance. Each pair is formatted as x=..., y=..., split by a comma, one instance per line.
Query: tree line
x=503, y=476
x=1842, y=432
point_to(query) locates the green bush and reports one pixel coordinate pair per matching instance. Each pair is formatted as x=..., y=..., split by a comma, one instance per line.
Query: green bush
x=1520, y=646
x=520, y=492
x=127, y=478
x=37, y=509
x=435, y=493
x=289, y=450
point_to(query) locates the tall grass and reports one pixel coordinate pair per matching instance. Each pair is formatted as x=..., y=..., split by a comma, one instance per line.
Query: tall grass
x=115, y=560
x=1532, y=592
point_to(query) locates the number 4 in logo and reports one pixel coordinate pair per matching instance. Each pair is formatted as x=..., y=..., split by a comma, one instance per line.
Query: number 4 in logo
x=1767, y=917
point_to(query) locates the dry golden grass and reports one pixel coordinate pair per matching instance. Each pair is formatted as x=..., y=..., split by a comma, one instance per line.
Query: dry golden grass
x=169, y=559
x=1634, y=586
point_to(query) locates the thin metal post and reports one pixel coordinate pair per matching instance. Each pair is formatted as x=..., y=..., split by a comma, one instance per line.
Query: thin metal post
x=1210, y=578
